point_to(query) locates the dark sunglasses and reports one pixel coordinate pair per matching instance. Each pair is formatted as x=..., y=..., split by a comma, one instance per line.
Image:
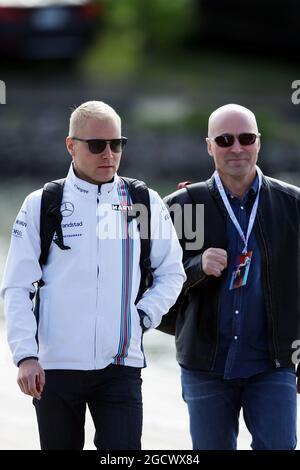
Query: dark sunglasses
x=227, y=140
x=99, y=145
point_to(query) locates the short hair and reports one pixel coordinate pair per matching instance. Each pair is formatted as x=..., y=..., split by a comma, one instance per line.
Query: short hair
x=91, y=109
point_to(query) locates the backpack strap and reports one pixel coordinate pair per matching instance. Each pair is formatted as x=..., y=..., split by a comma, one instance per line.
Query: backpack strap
x=139, y=194
x=50, y=218
x=198, y=192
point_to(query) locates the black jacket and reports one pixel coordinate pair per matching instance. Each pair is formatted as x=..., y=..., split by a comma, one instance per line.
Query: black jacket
x=277, y=229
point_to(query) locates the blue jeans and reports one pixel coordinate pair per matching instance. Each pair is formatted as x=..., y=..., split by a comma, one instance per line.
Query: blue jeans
x=269, y=402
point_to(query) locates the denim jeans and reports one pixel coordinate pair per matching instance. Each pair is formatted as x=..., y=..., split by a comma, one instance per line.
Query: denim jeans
x=269, y=402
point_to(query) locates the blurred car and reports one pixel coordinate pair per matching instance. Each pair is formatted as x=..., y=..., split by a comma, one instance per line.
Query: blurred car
x=44, y=29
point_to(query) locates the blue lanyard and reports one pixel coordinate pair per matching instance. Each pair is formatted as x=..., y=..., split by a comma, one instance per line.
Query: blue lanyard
x=231, y=213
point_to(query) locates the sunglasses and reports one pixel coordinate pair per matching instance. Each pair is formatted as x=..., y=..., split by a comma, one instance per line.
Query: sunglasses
x=99, y=145
x=227, y=140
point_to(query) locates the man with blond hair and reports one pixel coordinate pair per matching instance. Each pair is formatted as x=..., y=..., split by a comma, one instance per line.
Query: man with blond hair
x=83, y=347
x=237, y=325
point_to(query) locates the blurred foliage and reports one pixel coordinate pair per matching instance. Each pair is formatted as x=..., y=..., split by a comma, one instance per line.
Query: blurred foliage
x=274, y=125
x=149, y=40
x=158, y=25
x=134, y=31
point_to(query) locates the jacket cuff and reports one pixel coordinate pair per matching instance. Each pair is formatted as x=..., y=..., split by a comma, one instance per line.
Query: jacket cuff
x=194, y=272
x=26, y=359
x=145, y=320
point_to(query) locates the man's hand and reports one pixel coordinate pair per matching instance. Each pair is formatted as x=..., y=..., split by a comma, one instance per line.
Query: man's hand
x=31, y=378
x=214, y=261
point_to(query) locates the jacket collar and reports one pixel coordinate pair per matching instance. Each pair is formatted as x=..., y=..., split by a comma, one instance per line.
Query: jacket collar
x=216, y=195
x=89, y=190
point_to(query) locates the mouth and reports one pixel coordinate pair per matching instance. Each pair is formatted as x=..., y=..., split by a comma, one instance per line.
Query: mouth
x=237, y=160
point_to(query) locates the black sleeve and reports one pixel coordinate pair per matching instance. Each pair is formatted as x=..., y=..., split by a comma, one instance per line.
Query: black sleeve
x=194, y=271
x=192, y=260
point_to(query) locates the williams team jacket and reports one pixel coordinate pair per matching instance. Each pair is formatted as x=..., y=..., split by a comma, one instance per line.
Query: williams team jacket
x=87, y=316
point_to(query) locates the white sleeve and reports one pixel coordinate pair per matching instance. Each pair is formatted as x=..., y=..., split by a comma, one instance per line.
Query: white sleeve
x=166, y=262
x=22, y=270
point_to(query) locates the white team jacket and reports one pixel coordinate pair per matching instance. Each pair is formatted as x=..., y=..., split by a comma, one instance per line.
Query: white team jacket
x=88, y=317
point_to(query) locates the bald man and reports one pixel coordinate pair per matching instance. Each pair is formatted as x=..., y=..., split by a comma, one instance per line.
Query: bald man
x=237, y=325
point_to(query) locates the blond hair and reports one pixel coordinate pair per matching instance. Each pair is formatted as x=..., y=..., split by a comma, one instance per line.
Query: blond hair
x=91, y=109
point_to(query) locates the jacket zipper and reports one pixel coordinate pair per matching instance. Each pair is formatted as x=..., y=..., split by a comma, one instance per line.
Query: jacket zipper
x=97, y=278
x=276, y=361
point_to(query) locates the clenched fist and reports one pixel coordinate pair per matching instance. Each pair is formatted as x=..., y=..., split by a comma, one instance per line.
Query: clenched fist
x=214, y=261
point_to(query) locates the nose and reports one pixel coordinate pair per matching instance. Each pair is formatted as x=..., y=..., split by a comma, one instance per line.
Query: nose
x=236, y=146
x=107, y=153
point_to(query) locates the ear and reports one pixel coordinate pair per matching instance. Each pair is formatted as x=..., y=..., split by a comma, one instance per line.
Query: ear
x=209, y=150
x=258, y=144
x=70, y=146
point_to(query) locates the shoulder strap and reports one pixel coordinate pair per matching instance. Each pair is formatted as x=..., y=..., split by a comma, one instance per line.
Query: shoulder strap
x=198, y=192
x=139, y=194
x=50, y=218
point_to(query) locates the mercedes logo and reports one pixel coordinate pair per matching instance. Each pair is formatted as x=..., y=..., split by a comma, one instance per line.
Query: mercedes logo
x=66, y=209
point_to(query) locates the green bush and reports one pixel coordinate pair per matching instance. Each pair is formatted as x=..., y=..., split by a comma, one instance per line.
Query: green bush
x=160, y=25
